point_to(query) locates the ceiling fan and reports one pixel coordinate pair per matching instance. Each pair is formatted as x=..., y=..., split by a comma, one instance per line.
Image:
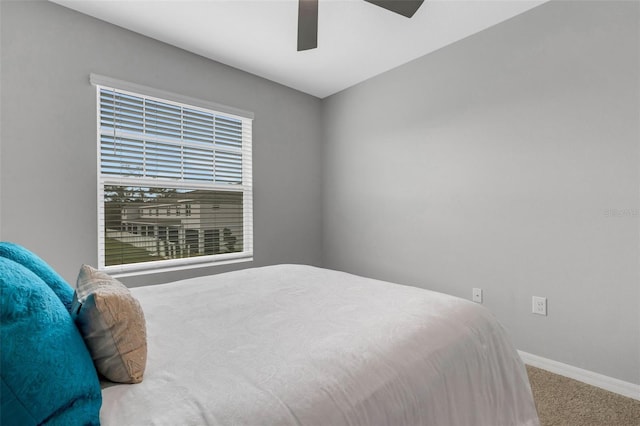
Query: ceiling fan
x=308, y=17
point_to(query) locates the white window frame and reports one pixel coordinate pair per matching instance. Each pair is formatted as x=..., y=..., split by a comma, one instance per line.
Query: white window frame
x=246, y=187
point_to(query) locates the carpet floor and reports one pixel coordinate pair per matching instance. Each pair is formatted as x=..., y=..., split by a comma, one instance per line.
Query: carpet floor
x=566, y=402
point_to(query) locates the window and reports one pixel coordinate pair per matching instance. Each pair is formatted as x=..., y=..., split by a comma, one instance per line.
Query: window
x=158, y=152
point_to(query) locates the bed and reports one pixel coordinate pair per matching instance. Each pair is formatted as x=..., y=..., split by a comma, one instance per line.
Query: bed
x=299, y=345
x=277, y=345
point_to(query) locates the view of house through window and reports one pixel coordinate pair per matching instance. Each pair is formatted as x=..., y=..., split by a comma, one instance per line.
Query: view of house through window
x=175, y=182
x=145, y=224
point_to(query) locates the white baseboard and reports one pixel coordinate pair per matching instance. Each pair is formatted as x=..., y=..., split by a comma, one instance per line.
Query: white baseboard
x=621, y=387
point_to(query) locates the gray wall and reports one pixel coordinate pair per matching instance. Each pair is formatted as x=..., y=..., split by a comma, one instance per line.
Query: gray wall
x=48, y=153
x=495, y=163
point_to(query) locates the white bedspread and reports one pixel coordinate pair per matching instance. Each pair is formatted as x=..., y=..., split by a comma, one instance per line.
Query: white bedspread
x=297, y=345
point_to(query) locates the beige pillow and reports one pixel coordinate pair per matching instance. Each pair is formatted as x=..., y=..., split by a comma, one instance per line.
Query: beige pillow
x=112, y=324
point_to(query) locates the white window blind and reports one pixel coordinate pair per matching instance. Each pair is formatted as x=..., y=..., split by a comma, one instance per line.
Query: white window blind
x=175, y=185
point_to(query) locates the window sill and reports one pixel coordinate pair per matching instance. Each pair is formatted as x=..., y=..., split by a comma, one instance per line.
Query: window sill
x=159, y=267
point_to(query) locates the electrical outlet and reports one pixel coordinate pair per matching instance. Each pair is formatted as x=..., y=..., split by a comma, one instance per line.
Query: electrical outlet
x=477, y=295
x=539, y=305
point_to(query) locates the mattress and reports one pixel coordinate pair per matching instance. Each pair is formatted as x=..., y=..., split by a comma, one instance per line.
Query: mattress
x=299, y=345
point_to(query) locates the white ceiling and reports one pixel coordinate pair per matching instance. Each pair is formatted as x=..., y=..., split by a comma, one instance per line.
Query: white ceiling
x=356, y=40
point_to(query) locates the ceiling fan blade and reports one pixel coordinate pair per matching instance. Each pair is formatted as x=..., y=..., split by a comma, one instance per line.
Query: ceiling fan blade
x=403, y=7
x=307, y=24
